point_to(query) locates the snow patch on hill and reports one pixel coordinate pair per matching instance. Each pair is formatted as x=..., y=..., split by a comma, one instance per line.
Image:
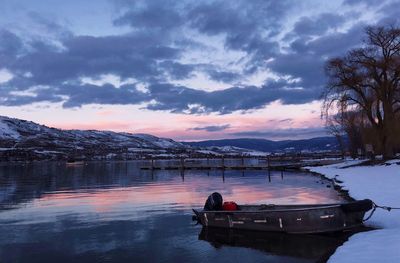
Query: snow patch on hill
x=6, y=131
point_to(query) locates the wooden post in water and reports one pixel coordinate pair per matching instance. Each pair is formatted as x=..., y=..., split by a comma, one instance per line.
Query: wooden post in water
x=242, y=162
x=269, y=169
x=282, y=173
x=183, y=175
x=223, y=162
x=152, y=163
x=223, y=175
x=126, y=168
x=182, y=163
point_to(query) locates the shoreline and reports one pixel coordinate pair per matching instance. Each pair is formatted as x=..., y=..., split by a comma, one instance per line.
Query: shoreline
x=378, y=183
x=336, y=186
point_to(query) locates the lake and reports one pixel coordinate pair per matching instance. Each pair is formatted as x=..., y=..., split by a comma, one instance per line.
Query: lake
x=115, y=212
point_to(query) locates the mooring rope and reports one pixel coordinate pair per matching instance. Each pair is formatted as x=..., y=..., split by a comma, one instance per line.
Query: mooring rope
x=375, y=206
x=388, y=208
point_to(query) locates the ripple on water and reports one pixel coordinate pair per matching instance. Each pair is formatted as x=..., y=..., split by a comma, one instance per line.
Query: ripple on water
x=116, y=212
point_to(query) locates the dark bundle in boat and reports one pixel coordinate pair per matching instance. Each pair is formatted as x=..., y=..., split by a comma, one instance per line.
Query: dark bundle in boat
x=299, y=219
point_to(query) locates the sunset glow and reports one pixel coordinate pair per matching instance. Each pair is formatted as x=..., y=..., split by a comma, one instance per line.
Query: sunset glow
x=189, y=73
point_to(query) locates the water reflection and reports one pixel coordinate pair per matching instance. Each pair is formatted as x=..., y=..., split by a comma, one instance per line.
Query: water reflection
x=116, y=212
x=316, y=248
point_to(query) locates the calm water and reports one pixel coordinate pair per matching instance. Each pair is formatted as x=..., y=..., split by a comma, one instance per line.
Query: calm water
x=114, y=212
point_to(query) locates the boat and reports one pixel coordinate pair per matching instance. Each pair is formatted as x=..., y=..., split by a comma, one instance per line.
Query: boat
x=294, y=219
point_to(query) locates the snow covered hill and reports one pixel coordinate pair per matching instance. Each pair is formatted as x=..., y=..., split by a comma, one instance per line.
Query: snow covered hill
x=319, y=144
x=20, y=139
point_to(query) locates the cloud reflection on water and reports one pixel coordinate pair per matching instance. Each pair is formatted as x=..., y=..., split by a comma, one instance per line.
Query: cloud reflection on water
x=118, y=191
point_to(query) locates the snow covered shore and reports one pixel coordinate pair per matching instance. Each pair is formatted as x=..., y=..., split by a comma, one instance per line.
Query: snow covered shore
x=380, y=183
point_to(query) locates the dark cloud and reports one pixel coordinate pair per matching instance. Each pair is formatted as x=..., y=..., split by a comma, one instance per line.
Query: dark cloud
x=390, y=13
x=127, y=56
x=164, y=96
x=105, y=94
x=10, y=46
x=307, y=67
x=212, y=128
x=218, y=17
x=133, y=45
x=245, y=27
x=185, y=100
x=222, y=76
x=60, y=70
x=337, y=43
x=160, y=15
x=280, y=133
x=318, y=25
x=49, y=25
x=41, y=95
x=153, y=53
x=306, y=58
x=363, y=2
x=78, y=95
x=239, y=21
x=177, y=70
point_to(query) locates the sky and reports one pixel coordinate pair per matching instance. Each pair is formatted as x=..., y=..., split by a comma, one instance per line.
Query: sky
x=186, y=70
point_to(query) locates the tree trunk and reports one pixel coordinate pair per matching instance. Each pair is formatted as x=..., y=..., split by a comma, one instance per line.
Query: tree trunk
x=341, y=145
x=388, y=131
x=385, y=144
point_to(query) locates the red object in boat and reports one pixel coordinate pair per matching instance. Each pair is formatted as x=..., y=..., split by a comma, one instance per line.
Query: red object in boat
x=229, y=206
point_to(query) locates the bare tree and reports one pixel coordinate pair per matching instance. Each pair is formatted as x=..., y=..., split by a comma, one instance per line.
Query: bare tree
x=336, y=128
x=367, y=80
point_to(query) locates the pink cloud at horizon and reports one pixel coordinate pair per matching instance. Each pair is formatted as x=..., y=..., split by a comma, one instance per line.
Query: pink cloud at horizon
x=182, y=127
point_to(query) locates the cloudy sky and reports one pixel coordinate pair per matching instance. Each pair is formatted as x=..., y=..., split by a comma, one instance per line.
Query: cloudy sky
x=188, y=70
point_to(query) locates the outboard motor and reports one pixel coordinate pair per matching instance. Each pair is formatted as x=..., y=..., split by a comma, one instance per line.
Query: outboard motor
x=214, y=202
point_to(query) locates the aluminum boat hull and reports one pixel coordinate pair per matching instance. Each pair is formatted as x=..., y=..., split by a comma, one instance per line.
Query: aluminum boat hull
x=296, y=219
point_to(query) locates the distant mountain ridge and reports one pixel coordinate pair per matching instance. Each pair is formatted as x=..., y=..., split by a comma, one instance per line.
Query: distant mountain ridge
x=19, y=138
x=22, y=140
x=264, y=145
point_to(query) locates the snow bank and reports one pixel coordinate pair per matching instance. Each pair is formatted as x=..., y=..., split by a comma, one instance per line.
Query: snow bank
x=380, y=183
